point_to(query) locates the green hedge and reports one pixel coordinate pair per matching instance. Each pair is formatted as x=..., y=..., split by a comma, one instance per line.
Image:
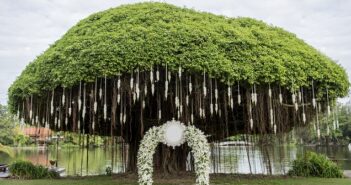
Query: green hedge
x=143, y=35
x=315, y=165
x=27, y=170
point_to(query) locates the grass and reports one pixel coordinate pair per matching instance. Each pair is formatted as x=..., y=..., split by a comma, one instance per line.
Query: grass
x=222, y=180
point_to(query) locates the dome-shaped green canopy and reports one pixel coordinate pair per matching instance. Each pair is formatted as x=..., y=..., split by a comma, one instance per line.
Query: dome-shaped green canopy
x=233, y=76
x=143, y=35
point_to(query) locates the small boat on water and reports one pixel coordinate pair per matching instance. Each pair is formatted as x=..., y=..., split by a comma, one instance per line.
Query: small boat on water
x=4, y=171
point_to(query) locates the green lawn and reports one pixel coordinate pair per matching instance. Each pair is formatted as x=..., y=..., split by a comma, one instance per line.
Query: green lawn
x=183, y=181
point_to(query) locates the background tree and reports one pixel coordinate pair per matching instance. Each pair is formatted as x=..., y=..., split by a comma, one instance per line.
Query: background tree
x=6, y=126
x=345, y=120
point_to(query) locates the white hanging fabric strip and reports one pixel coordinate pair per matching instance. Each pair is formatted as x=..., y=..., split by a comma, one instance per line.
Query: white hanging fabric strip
x=317, y=120
x=151, y=76
x=131, y=82
x=216, y=97
x=229, y=91
x=166, y=83
x=145, y=90
x=303, y=106
x=176, y=98
x=328, y=104
x=204, y=86
x=159, y=114
x=180, y=110
x=314, y=103
x=124, y=118
x=211, y=103
x=63, y=97
x=152, y=88
x=271, y=113
x=252, y=96
x=251, y=118
x=137, y=88
x=119, y=90
x=100, y=91
x=180, y=72
x=293, y=97
x=79, y=97
x=157, y=74
x=190, y=86
x=95, y=100
x=70, y=103
x=52, y=102
x=152, y=81
x=295, y=101
x=105, y=99
x=31, y=108
x=169, y=76
x=121, y=111
x=84, y=100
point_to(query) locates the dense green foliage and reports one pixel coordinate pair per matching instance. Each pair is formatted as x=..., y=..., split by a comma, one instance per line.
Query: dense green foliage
x=344, y=116
x=27, y=170
x=10, y=133
x=108, y=171
x=7, y=133
x=340, y=136
x=144, y=35
x=315, y=165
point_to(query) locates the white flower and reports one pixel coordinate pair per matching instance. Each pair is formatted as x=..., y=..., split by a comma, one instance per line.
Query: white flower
x=195, y=139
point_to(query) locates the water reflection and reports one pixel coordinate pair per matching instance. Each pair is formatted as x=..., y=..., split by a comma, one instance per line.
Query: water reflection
x=225, y=159
x=76, y=161
x=252, y=159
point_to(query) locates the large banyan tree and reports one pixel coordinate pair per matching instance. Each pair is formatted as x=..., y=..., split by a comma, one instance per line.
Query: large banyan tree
x=121, y=71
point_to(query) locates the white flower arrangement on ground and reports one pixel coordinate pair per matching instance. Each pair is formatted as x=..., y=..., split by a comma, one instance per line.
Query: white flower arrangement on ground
x=196, y=141
x=201, y=151
x=145, y=154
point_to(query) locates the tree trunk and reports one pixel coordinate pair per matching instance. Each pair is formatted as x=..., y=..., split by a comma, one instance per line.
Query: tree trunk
x=166, y=159
x=170, y=161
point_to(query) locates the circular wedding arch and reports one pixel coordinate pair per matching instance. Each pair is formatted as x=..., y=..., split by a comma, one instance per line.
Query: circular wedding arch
x=195, y=139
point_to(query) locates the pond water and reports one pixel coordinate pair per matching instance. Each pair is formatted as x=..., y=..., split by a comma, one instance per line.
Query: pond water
x=273, y=159
x=233, y=159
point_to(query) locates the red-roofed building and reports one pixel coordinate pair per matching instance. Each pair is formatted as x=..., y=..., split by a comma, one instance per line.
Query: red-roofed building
x=39, y=134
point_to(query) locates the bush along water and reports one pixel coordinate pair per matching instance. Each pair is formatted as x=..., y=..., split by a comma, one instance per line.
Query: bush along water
x=27, y=170
x=315, y=165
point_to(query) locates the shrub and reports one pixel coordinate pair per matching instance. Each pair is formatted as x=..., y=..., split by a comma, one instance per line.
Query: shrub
x=27, y=170
x=108, y=171
x=315, y=165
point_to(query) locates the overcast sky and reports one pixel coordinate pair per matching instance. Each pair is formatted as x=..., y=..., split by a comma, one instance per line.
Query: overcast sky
x=28, y=27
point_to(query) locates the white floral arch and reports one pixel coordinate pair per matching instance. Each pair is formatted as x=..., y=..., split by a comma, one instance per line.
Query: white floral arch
x=195, y=139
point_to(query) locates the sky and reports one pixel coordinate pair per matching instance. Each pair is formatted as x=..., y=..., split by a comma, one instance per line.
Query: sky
x=28, y=27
